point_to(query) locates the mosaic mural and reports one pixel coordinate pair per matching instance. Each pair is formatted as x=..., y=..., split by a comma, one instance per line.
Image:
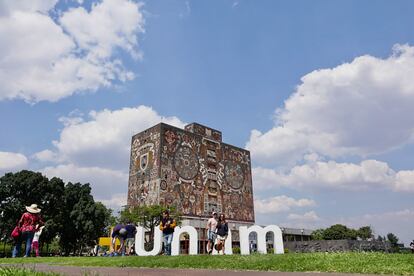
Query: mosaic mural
x=191, y=169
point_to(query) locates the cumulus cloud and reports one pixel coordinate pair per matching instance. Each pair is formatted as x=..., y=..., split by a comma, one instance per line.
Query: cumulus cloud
x=306, y=217
x=45, y=59
x=103, y=138
x=95, y=149
x=45, y=156
x=116, y=202
x=368, y=174
x=11, y=161
x=280, y=204
x=359, y=108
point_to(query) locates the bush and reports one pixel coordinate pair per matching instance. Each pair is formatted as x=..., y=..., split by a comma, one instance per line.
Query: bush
x=236, y=250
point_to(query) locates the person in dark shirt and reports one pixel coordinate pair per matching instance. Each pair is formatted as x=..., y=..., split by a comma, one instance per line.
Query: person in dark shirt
x=118, y=232
x=167, y=226
x=130, y=238
x=222, y=232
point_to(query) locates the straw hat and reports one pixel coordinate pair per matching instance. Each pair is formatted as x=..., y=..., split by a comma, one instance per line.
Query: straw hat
x=33, y=209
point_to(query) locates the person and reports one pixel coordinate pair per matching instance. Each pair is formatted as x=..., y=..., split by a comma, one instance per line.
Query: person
x=222, y=232
x=29, y=223
x=211, y=232
x=167, y=226
x=35, y=242
x=251, y=247
x=412, y=246
x=118, y=232
x=130, y=238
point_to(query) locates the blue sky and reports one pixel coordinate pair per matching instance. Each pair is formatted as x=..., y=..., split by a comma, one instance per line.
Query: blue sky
x=320, y=92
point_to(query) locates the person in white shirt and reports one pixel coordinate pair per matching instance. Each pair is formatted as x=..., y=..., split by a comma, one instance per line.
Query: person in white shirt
x=35, y=241
x=211, y=232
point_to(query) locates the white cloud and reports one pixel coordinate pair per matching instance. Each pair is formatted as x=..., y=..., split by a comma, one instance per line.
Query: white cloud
x=11, y=161
x=404, y=181
x=45, y=156
x=40, y=61
x=280, y=204
x=114, y=23
x=306, y=217
x=95, y=149
x=9, y=6
x=104, y=182
x=104, y=138
x=116, y=202
x=369, y=174
x=359, y=108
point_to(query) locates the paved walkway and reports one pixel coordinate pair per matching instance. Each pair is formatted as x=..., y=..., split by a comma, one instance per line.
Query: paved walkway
x=129, y=271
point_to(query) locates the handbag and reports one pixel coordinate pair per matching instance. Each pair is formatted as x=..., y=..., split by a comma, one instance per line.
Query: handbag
x=16, y=232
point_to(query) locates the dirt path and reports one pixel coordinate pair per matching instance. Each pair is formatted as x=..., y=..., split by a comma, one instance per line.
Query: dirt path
x=129, y=271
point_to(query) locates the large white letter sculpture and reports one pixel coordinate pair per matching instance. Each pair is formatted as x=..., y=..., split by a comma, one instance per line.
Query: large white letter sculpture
x=192, y=232
x=261, y=238
x=193, y=250
x=140, y=242
x=228, y=247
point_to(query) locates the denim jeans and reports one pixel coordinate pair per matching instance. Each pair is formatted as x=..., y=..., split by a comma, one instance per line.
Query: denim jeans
x=28, y=237
x=167, y=243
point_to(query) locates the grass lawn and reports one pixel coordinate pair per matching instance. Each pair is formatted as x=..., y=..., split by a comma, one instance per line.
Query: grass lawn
x=12, y=271
x=370, y=263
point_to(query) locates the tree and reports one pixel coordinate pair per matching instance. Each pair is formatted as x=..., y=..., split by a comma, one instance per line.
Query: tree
x=393, y=239
x=365, y=232
x=23, y=188
x=318, y=234
x=339, y=232
x=85, y=219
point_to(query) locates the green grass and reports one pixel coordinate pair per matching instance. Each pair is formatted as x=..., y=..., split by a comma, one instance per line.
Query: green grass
x=369, y=263
x=13, y=271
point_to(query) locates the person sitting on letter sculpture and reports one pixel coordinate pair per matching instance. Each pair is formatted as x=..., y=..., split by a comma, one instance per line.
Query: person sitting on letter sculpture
x=167, y=226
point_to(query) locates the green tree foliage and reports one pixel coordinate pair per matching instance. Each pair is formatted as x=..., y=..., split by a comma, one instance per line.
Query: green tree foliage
x=69, y=212
x=339, y=232
x=21, y=189
x=318, y=234
x=393, y=239
x=365, y=232
x=85, y=219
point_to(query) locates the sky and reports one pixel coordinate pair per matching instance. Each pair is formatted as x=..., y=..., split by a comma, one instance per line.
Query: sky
x=321, y=93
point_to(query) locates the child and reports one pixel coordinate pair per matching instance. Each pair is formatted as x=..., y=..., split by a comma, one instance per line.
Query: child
x=35, y=242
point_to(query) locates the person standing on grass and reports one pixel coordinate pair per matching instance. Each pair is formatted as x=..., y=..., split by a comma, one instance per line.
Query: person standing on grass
x=167, y=226
x=35, y=242
x=130, y=238
x=412, y=246
x=211, y=232
x=222, y=232
x=29, y=223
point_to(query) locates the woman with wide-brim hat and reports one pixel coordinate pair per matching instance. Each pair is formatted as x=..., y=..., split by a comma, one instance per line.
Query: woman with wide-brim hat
x=29, y=223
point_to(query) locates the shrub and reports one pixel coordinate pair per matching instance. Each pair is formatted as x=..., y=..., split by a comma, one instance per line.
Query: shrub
x=236, y=250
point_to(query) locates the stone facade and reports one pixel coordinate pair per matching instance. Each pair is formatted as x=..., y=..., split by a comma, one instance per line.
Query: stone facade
x=191, y=169
x=336, y=246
